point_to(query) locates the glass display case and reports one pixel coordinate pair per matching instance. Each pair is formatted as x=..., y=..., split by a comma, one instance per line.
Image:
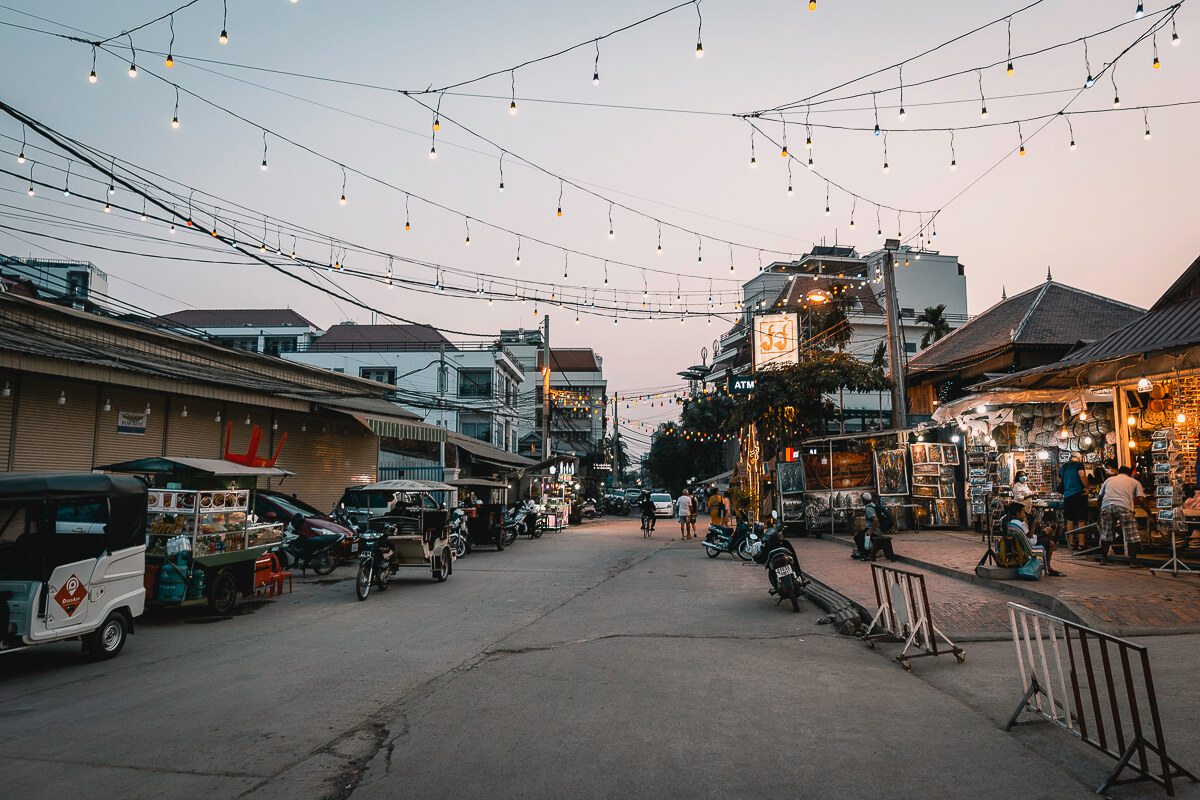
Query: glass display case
x=214, y=522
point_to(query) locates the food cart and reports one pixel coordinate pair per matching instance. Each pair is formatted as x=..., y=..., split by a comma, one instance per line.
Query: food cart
x=485, y=519
x=201, y=539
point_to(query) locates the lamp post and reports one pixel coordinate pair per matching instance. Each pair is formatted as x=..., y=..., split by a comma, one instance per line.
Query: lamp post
x=895, y=343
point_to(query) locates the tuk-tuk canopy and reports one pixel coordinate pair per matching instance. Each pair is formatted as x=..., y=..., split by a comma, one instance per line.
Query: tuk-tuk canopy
x=489, y=483
x=406, y=485
x=218, y=467
x=44, y=485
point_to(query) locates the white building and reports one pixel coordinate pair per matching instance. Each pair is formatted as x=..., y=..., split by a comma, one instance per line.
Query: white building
x=81, y=284
x=271, y=331
x=578, y=393
x=923, y=279
x=472, y=389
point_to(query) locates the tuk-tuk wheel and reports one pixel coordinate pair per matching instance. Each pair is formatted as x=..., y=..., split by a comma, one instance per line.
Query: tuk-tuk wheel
x=107, y=640
x=441, y=568
x=222, y=593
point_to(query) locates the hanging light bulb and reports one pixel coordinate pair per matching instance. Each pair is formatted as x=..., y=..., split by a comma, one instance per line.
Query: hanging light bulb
x=170, y=62
x=1181, y=417
x=107, y=208
x=1139, y=12
x=1174, y=34
x=92, y=76
x=133, y=69
x=812, y=5
x=433, y=151
x=1131, y=421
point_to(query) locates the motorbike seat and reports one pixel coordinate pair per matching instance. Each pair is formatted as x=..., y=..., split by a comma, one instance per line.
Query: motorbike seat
x=723, y=530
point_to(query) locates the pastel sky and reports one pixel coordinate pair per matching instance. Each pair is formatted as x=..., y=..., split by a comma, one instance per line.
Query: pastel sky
x=1113, y=216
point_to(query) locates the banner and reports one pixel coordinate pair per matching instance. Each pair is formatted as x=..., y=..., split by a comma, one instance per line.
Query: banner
x=131, y=422
x=775, y=340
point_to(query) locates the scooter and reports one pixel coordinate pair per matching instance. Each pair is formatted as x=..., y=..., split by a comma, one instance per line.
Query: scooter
x=783, y=569
x=458, y=533
x=376, y=564
x=522, y=519
x=589, y=510
x=319, y=552
x=735, y=541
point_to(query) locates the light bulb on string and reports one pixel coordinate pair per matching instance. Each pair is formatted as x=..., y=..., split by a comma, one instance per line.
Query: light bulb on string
x=1022, y=138
x=342, y=200
x=1009, y=70
x=31, y=166
x=902, y=114
x=699, y=30
x=611, y=232
x=827, y=198
x=596, y=68
x=501, y=170
x=875, y=106
x=264, y=161
x=1090, y=81
x=175, y=116
x=1071, y=129
x=132, y=58
x=953, y=157
x=512, y=107
x=1146, y=118
x=67, y=181
x=1139, y=12
x=1174, y=34
x=885, y=158
x=982, y=99
x=560, y=196
x=753, y=160
x=518, y=262
x=1156, y=64
x=467, y=224
x=224, y=37
x=92, y=75
x=21, y=154
x=660, y=238
x=170, y=62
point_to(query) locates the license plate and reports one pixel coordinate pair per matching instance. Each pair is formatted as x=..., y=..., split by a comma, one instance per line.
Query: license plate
x=784, y=570
x=353, y=548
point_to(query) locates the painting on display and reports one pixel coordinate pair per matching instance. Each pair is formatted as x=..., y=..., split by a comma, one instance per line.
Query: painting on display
x=920, y=454
x=791, y=477
x=849, y=471
x=890, y=475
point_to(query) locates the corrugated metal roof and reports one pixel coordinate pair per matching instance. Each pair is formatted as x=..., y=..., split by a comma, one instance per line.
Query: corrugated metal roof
x=233, y=318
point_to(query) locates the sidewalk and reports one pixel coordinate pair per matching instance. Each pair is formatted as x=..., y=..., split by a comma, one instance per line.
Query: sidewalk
x=1114, y=599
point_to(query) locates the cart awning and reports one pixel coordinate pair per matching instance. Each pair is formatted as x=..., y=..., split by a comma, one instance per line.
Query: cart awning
x=491, y=483
x=196, y=466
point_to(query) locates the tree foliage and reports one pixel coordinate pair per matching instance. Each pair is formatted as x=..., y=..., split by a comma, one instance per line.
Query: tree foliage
x=934, y=318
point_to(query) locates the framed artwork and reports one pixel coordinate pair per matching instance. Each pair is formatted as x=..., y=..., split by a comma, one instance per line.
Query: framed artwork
x=890, y=474
x=791, y=477
x=926, y=469
x=920, y=453
x=1165, y=491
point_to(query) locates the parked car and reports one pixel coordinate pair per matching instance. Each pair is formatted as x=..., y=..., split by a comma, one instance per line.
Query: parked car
x=279, y=507
x=632, y=495
x=361, y=505
x=664, y=506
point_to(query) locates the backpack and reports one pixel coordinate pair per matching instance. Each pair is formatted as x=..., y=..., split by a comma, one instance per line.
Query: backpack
x=886, y=523
x=1013, y=549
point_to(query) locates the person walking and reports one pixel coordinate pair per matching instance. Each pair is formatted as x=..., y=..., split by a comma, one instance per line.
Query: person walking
x=870, y=542
x=1072, y=479
x=716, y=508
x=1117, y=496
x=683, y=509
x=728, y=503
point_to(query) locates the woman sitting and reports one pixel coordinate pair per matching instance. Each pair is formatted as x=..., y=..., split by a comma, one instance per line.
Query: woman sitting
x=1015, y=547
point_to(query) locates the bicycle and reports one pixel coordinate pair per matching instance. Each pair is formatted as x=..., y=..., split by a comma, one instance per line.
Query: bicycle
x=647, y=526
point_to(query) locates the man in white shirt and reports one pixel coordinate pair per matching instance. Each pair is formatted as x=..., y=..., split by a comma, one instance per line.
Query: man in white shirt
x=1117, y=496
x=683, y=507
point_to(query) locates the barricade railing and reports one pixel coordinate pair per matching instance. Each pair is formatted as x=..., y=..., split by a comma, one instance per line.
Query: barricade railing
x=1097, y=687
x=904, y=614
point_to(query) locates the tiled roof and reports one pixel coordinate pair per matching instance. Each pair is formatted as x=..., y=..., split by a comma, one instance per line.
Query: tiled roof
x=1048, y=315
x=573, y=360
x=232, y=318
x=794, y=291
x=380, y=338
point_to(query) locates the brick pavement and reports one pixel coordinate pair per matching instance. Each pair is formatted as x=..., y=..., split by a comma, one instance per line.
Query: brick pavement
x=959, y=608
x=1114, y=598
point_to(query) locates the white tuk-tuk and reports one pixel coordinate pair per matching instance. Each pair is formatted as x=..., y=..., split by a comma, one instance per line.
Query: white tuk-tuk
x=72, y=559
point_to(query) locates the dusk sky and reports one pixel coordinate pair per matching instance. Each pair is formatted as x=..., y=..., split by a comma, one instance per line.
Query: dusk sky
x=1112, y=217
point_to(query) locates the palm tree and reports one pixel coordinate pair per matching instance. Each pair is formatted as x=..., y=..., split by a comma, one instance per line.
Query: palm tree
x=934, y=318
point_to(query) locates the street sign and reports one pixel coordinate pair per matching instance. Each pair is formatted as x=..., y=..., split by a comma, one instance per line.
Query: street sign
x=741, y=385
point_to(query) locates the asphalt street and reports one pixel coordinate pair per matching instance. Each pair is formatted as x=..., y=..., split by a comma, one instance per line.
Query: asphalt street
x=588, y=663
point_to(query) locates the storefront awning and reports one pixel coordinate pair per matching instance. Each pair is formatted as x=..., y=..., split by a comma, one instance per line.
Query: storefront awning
x=483, y=451
x=386, y=419
x=948, y=412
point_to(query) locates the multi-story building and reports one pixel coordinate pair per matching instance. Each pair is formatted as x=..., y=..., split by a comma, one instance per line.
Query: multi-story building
x=271, y=331
x=79, y=284
x=923, y=279
x=472, y=389
x=578, y=392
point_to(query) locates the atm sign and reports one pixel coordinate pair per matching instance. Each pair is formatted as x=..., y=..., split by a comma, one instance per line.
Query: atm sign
x=741, y=385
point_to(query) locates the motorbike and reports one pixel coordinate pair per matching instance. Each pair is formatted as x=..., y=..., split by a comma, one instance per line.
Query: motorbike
x=319, y=553
x=735, y=541
x=589, y=510
x=522, y=519
x=616, y=505
x=458, y=533
x=376, y=564
x=783, y=569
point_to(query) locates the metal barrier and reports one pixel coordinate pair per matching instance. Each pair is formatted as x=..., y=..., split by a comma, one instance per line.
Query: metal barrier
x=904, y=614
x=1116, y=706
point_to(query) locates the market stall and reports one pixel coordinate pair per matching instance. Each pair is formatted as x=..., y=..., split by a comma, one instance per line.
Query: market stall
x=201, y=539
x=552, y=486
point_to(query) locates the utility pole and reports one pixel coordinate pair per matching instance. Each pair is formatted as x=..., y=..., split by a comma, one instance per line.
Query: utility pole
x=895, y=344
x=616, y=461
x=546, y=387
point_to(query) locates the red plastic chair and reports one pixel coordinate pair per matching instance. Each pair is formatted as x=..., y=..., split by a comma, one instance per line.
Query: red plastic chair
x=278, y=573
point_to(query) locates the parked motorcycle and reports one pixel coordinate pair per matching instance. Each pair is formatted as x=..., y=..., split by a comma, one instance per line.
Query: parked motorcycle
x=616, y=505
x=376, y=564
x=589, y=510
x=319, y=553
x=735, y=541
x=783, y=568
x=521, y=519
x=458, y=533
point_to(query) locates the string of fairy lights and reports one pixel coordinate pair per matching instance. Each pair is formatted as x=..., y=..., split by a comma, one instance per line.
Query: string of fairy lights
x=563, y=294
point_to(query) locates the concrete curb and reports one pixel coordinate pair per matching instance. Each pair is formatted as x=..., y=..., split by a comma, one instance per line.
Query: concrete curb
x=1024, y=591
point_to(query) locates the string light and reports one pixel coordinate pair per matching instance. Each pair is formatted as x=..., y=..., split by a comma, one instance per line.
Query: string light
x=789, y=169
x=560, y=196
x=902, y=114
x=170, y=62
x=1146, y=118
x=224, y=37
x=518, y=251
x=982, y=99
x=1154, y=40
x=1090, y=82
x=885, y=157
x=953, y=157
x=827, y=198
x=1071, y=129
x=660, y=237
x=467, y=224
x=1022, y=138
x=1009, y=70
x=1116, y=94
x=1174, y=34
x=611, y=233
x=1138, y=14
x=92, y=75
x=566, y=257
x=512, y=107
x=878, y=224
x=264, y=161
x=31, y=166
x=175, y=116
x=753, y=160
x=875, y=106
x=853, y=207
x=784, y=152
x=67, y=182
x=132, y=58
x=699, y=250
x=699, y=30
x=433, y=139
x=596, y=68
x=342, y=199
x=731, y=258
x=437, y=123
x=407, y=226
x=502, y=170
x=21, y=155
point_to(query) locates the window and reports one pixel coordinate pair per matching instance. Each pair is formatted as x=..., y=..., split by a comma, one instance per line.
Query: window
x=381, y=374
x=910, y=347
x=477, y=430
x=274, y=345
x=241, y=343
x=474, y=383
x=81, y=516
x=908, y=312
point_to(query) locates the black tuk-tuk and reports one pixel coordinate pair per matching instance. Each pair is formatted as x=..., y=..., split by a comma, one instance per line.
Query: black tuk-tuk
x=483, y=500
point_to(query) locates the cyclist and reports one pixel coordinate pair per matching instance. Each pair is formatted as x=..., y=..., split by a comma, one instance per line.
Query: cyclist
x=648, y=516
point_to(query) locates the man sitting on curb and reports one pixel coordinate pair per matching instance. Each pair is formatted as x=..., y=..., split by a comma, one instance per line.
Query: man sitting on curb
x=870, y=542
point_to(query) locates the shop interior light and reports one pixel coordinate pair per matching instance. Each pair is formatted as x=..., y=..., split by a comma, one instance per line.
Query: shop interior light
x=954, y=438
x=147, y=411
x=1064, y=434
x=184, y=412
x=1144, y=385
x=247, y=419
x=1132, y=420
x=1082, y=416
x=218, y=417
x=982, y=409
x=1087, y=441
x=1181, y=417
x=921, y=438
x=1043, y=455
x=1132, y=444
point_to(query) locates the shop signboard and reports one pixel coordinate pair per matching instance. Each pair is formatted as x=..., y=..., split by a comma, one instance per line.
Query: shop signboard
x=131, y=422
x=775, y=340
x=743, y=385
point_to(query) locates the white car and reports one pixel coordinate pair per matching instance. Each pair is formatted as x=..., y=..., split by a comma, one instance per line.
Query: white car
x=664, y=506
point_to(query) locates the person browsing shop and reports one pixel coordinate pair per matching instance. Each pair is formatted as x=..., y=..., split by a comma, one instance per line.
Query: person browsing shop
x=1072, y=478
x=1117, y=496
x=871, y=541
x=1022, y=493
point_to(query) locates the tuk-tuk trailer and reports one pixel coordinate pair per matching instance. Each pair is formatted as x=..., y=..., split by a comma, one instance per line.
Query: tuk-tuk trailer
x=484, y=501
x=202, y=539
x=72, y=557
x=416, y=523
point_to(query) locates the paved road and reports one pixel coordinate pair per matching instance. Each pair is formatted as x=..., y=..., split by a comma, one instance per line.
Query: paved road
x=589, y=663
